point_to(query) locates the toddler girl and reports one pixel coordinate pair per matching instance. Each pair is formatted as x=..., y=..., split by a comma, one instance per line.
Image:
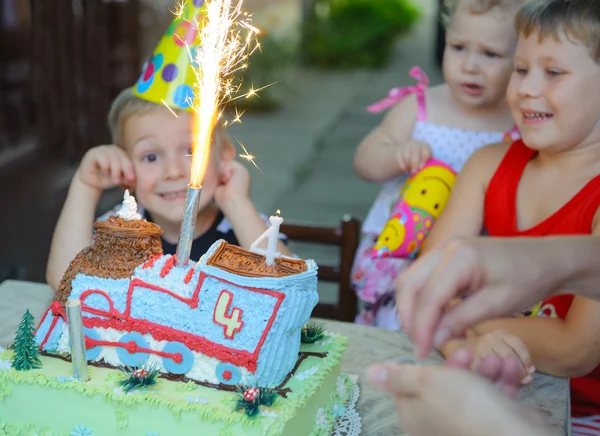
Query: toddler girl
x=447, y=122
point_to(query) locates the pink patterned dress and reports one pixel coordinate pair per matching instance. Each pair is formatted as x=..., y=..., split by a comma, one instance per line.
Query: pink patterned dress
x=374, y=279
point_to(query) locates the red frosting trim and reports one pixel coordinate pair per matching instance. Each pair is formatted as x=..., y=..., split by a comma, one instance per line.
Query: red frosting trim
x=57, y=311
x=193, y=342
x=111, y=309
x=132, y=348
x=150, y=262
x=169, y=264
x=188, y=276
x=124, y=322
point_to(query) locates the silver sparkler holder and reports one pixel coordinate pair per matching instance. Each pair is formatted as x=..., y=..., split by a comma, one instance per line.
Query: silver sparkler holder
x=188, y=225
x=75, y=324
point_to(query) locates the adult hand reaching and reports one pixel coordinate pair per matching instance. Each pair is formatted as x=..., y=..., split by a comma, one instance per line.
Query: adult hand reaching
x=500, y=275
x=426, y=398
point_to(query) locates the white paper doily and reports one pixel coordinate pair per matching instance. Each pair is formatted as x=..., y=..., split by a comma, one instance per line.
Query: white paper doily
x=349, y=423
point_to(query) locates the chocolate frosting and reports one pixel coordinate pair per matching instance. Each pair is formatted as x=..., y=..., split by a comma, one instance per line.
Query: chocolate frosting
x=119, y=246
x=245, y=263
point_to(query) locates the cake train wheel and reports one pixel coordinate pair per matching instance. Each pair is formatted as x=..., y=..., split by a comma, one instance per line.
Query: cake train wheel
x=228, y=374
x=183, y=361
x=94, y=352
x=131, y=341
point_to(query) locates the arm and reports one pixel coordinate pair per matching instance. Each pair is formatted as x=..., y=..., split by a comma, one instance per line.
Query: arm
x=463, y=214
x=567, y=348
x=563, y=348
x=499, y=274
x=101, y=168
x=73, y=230
x=375, y=158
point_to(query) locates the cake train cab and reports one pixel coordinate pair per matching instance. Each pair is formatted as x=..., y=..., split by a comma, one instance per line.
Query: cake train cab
x=227, y=319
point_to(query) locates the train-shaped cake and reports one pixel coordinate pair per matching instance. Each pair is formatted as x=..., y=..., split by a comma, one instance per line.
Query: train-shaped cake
x=227, y=319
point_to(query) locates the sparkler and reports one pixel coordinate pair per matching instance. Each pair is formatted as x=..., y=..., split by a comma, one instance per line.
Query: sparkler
x=224, y=51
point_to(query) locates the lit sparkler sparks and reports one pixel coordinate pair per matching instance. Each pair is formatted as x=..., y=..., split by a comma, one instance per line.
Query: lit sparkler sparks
x=224, y=51
x=250, y=158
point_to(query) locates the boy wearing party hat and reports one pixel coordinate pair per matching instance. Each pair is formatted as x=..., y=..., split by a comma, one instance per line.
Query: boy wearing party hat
x=151, y=155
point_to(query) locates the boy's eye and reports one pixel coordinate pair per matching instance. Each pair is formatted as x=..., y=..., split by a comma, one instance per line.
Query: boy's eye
x=150, y=157
x=553, y=73
x=189, y=151
x=457, y=47
x=491, y=54
x=521, y=71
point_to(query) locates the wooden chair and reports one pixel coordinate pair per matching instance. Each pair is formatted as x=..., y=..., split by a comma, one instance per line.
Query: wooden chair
x=346, y=237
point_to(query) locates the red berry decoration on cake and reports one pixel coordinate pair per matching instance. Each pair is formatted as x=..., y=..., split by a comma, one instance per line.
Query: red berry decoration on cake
x=251, y=394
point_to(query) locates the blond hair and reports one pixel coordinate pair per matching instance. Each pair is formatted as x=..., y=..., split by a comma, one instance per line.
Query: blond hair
x=578, y=19
x=127, y=104
x=124, y=106
x=478, y=7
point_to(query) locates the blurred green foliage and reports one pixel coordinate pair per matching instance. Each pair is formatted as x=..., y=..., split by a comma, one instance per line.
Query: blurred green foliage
x=265, y=67
x=355, y=33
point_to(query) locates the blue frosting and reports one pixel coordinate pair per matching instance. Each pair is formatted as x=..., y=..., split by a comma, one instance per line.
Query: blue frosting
x=52, y=342
x=279, y=350
x=133, y=359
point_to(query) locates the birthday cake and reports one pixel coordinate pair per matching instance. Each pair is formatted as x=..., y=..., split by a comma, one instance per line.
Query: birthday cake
x=218, y=347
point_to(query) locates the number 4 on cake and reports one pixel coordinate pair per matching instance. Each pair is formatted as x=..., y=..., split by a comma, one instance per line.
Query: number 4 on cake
x=232, y=323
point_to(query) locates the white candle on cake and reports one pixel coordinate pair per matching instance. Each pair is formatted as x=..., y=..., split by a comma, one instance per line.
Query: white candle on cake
x=272, y=236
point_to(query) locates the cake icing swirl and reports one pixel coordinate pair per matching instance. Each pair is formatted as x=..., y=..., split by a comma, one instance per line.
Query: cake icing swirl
x=119, y=247
x=128, y=209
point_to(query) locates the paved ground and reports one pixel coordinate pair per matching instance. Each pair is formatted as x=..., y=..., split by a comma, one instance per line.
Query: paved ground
x=305, y=149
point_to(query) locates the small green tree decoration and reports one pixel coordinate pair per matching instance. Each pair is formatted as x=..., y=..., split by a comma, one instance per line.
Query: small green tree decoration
x=312, y=332
x=27, y=352
x=138, y=378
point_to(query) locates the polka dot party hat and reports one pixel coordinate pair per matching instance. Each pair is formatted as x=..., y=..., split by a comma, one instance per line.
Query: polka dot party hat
x=168, y=76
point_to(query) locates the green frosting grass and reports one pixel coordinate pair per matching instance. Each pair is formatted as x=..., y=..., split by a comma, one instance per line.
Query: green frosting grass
x=179, y=398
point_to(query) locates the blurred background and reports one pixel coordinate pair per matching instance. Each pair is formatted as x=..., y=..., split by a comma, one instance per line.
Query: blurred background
x=63, y=61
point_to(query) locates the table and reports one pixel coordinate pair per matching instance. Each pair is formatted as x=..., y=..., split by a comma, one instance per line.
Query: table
x=367, y=345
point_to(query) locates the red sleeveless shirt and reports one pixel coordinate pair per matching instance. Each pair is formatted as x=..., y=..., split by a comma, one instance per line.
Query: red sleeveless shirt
x=574, y=218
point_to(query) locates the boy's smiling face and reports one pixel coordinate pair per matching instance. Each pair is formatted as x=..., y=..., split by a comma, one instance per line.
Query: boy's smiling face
x=159, y=145
x=554, y=93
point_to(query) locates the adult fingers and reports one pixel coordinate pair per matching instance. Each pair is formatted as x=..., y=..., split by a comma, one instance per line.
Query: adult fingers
x=409, y=285
x=509, y=379
x=488, y=303
x=399, y=380
x=448, y=280
x=462, y=358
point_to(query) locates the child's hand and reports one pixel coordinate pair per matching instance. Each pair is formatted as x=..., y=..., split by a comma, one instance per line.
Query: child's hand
x=413, y=155
x=502, y=344
x=234, y=182
x=105, y=167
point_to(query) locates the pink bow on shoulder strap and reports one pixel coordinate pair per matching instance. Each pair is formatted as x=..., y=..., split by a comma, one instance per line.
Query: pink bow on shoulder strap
x=397, y=94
